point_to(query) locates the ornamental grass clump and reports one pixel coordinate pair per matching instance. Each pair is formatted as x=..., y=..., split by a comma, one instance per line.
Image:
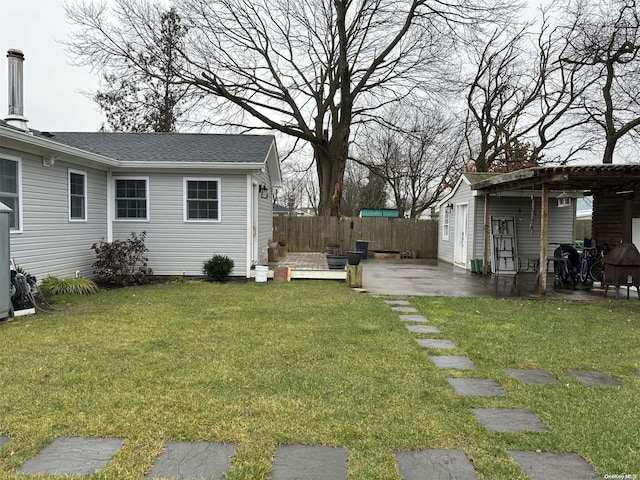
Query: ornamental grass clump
x=218, y=268
x=76, y=286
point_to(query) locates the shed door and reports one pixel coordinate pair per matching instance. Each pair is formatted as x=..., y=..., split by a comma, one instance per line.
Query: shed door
x=460, y=234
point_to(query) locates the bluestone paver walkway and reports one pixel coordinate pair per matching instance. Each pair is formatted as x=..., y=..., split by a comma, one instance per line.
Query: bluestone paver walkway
x=440, y=343
x=422, y=328
x=532, y=376
x=413, y=318
x=595, y=378
x=73, y=456
x=193, y=460
x=452, y=361
x=509, y=420
x=4, y=440
x=435, y=464
x=554, y=466
x=476, y=387
x=309, y=462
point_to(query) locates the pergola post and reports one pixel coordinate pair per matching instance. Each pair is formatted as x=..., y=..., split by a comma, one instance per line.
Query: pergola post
x=485, y=243
x=544, y=226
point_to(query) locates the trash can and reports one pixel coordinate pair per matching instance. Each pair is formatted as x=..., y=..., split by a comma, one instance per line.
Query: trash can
x=363, y=246
x=261, y=273
x=5, y=271
x=273, y=252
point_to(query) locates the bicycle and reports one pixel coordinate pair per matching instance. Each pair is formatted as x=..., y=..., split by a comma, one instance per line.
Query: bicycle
x=565, y=264
x=591, y=265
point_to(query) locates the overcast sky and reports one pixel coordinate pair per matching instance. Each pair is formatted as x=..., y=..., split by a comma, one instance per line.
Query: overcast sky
x=53, y=99
x=52, y=87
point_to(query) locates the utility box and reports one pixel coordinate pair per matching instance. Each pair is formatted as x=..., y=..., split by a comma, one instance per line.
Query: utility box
x=5, y=272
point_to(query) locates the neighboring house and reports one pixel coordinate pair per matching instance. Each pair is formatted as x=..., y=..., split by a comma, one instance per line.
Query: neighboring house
x=194, y=195
x=514, y=225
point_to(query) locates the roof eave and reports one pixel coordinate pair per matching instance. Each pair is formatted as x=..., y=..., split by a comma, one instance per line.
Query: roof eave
x=49, y=146
x=245, y=166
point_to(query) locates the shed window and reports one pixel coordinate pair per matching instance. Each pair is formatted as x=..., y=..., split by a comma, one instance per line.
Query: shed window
x=77, y=195
x=10, y=189
x=201, y=199
x=132, y=198
x=446, y=217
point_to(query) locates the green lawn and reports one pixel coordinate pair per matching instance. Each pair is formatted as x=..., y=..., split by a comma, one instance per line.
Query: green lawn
x=313, y=363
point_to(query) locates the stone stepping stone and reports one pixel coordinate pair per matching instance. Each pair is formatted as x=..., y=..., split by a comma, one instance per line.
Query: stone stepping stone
x=73, y=456
x=452, y=361
x=440, y=464
x=422, y=328
x=413, y=318
x=509, y=420
x=436, y=343
x=595, y=378
x=202, y=460
x=532, y=377
x=476, y=387
x=554, y=466
x=404, y=309
x=303, y=462
x=397, y=302
x=4, y=440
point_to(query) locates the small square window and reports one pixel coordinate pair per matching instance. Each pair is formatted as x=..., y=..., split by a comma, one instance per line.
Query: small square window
x=201, y=199
x=132, y=198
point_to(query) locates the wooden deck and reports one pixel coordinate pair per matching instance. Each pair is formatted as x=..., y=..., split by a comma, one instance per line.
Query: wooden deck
x=307, y=265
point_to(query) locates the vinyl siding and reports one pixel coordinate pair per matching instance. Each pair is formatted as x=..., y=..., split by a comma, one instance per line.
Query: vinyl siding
x=560, y=229
x=49, y=244
x=177, y=247
x=265, y=218
x=463, y=195
x=561, y=224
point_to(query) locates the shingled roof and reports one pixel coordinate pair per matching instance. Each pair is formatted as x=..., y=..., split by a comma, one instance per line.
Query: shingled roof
x=169, y=147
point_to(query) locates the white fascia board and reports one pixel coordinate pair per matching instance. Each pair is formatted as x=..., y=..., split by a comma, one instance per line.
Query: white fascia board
x=43, y=145
x=237, y=166
x=273, y=164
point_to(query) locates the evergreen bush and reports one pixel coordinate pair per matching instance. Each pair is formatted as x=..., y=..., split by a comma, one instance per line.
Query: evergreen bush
x=218, y=268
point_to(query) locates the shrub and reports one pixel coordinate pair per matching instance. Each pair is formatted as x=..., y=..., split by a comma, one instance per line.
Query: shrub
x=76, y=286
x=218, y=268
x=122, y=262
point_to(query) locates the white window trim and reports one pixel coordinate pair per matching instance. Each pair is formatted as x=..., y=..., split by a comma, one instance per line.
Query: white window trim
x=20, y=219
x=446, y=223
x=115, y=199
x=185, y=212
x=86, y=194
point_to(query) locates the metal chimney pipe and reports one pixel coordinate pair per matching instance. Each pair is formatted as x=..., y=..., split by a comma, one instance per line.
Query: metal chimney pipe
x=16, y=116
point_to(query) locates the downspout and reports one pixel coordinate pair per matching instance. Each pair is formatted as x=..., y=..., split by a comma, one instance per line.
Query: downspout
x=110, y=205
x=250, y=226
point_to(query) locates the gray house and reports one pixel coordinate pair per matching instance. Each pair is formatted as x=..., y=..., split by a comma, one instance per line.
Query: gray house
x=512, y=219
x=194, y=195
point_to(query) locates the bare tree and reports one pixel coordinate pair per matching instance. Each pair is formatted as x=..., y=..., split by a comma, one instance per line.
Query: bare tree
x=306, y=68
x=523, y=92
x=149, y=99
x=418, y=163
x=604, y=39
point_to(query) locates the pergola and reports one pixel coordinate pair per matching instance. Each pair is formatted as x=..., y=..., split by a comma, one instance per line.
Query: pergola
x=590, y=179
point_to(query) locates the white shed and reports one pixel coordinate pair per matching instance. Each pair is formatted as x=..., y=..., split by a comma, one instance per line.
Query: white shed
x=512, y=221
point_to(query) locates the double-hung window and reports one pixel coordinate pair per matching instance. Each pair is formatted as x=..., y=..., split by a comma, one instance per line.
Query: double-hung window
x=201, y=200
x=132, y=198
x=446, y=219
x=10, y=193
x=77, y=196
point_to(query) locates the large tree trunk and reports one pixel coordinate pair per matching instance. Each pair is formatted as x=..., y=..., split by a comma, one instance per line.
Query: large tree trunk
x=331, y=160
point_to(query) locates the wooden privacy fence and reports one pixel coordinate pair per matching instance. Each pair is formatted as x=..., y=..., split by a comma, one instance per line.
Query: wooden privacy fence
x=311, y=234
